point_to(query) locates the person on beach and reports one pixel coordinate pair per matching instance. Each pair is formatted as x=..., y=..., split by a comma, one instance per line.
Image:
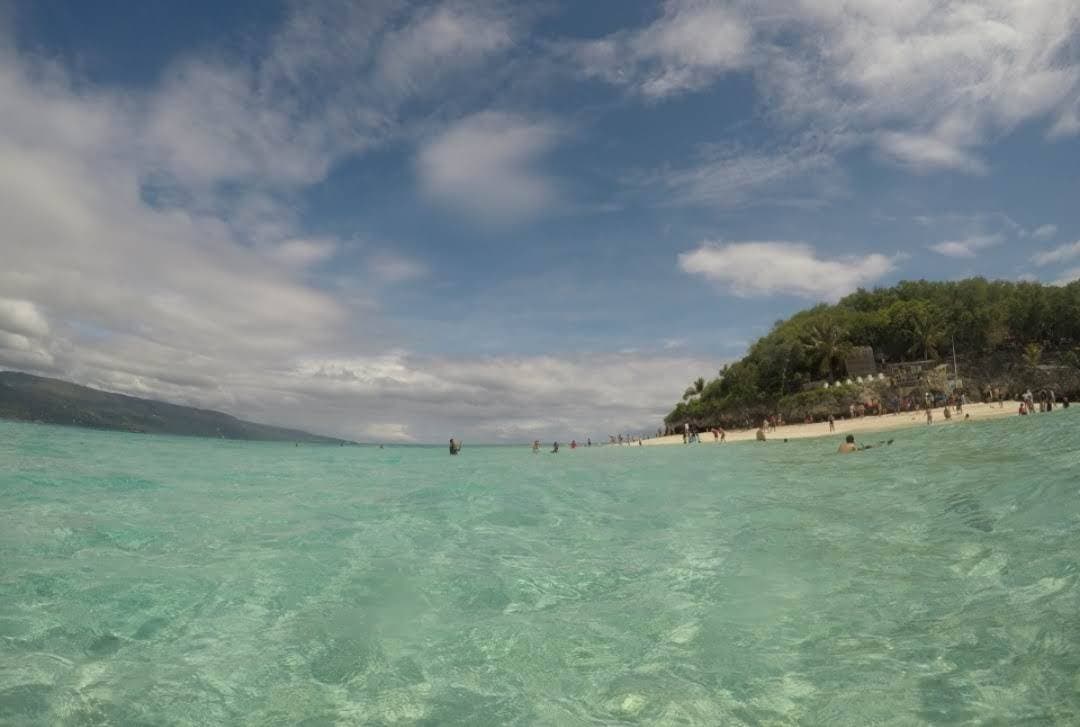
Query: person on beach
x=1023, y=409
x=536, y=446
x=555, y=448
x=947, y=413
x=455, y=447
x=832, y=423
x=929, y=415
x=760, y=436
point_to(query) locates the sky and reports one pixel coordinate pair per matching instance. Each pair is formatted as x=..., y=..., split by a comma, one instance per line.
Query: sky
x=500, y=221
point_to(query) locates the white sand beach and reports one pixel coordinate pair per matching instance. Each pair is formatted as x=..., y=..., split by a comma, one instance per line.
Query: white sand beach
x=861, y=425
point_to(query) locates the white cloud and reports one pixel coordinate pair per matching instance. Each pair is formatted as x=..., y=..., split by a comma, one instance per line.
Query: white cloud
x=487, y=166
x=22, y=317
x=331, y=84
x=927, y=81
x=304, y=252
x=923, y=153
x=749, y=269
x=1069, y=276
x=1067, y=124
x=440, y=40
x=1059, y=254
x=966, y=247
x=501, y=398
x=693, y=43
x=733, y=177
x=1045, y=232
x=390, y=432
x=392, y=268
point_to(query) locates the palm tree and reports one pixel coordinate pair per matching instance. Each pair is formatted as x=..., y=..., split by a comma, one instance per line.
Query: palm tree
x=689, y=393
x=1032, y=355
x=829, y=345
x=699, y=386
x=925, y=333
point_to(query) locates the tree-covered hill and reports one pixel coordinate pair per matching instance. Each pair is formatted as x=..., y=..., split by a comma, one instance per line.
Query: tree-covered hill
x=1001, y=330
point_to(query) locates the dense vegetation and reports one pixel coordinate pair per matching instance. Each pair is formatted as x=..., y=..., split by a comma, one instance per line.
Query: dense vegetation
x=38, y=399
x=1026, y=322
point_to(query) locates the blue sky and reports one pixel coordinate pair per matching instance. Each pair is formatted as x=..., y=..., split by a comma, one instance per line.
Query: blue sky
x=402, y=221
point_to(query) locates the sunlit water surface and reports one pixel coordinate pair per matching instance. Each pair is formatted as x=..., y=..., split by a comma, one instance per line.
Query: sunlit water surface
x=170, y=581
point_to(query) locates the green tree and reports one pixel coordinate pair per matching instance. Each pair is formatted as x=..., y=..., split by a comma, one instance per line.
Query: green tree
x=1032, y=355
x=827, y=344
x=1071, y=359
x=919, y=326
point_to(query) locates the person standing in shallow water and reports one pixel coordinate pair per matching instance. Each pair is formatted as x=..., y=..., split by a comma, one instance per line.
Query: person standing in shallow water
x=555, y=448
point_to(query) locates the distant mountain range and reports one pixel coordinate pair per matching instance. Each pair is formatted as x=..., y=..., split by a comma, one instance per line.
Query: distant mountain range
x=38, y=399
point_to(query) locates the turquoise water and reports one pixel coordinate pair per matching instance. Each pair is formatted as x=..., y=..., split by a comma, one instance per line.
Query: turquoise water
x=168, y=581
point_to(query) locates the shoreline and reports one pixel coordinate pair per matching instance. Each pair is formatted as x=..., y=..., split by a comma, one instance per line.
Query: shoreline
x=860, y=425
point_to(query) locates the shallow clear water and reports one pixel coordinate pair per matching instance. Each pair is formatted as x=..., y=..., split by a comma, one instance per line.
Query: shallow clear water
x=170, y=581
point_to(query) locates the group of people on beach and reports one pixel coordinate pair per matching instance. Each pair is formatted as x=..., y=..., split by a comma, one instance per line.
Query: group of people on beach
x=1043, y=402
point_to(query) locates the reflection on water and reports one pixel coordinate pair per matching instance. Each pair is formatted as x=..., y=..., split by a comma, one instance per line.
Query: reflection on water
x=161, y=581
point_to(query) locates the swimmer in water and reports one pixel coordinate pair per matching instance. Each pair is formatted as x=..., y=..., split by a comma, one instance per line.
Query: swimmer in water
x=849, y=445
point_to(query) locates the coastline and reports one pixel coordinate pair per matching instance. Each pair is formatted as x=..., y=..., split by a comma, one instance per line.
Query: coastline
x=861, y=425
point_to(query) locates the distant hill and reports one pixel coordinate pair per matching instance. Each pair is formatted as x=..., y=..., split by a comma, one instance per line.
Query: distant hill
x=38, y=399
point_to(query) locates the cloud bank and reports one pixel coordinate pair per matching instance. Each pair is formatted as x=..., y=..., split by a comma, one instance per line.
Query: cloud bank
x=750, y=269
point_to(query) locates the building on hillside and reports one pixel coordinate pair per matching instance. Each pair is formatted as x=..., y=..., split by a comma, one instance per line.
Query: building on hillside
x=926, y=373
x=860, y=362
